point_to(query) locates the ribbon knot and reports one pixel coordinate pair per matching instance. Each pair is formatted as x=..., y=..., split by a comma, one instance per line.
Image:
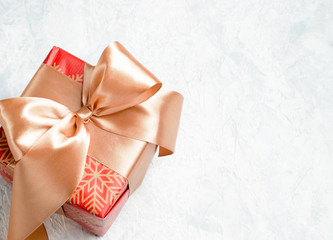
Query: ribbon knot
x=85, y=113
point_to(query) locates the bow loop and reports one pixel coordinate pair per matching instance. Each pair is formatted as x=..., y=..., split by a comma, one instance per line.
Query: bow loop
x=32, y=116
x=117, y=82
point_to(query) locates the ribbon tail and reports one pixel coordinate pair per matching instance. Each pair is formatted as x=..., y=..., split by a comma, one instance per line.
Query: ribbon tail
x=39, y=234
x=44, y=179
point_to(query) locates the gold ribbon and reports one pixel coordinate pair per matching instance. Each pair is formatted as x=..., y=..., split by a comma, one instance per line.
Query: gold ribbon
x=50, y=139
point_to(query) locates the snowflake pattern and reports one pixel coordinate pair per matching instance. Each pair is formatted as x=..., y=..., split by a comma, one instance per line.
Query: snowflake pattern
x=99, y=189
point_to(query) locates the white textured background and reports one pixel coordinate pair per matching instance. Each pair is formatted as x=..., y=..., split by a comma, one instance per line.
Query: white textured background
x=254, y=156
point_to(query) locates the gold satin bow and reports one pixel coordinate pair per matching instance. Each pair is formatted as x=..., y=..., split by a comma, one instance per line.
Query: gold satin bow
x=50, y=142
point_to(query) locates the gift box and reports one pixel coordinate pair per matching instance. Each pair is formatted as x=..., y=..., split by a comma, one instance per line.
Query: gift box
x=116, y=156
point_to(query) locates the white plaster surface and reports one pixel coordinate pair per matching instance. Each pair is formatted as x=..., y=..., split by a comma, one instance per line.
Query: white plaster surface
x=254, y=153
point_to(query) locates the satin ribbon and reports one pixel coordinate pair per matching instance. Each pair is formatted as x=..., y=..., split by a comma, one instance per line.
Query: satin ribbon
x=50, y=142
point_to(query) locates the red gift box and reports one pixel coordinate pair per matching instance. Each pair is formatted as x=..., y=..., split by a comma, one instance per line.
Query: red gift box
x=111, y=137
